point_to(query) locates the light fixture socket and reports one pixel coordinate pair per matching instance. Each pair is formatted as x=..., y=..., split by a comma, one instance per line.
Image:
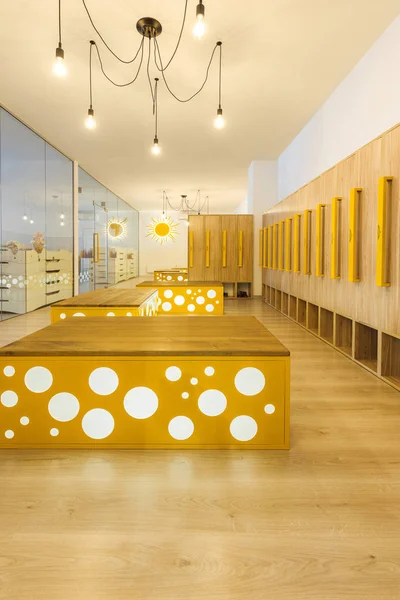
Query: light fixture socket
x=156, y=140
x=200, y=11
x=90, y=112
x=59, y=52
x=219, y=111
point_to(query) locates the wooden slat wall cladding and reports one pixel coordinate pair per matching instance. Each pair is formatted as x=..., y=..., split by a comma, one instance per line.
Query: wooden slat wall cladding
x=364, y=301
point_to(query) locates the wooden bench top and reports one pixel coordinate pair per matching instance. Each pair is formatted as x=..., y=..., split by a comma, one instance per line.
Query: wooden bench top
x=158, y=284
x=110, y=297
x=150, y=336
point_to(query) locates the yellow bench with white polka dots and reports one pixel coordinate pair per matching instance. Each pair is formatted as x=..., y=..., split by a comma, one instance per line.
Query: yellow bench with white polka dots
x=146, y=383
x=173, y=275
x=108, y=302
x=190, y=298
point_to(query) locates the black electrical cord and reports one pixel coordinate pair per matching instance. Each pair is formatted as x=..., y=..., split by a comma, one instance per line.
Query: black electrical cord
x=156, y=47
x=109, y=78
x=126, y=62
x=90, y=75
x=148, y=72
x=179, y=38
x=156, y=107
x=59, y=23
x=220, y=74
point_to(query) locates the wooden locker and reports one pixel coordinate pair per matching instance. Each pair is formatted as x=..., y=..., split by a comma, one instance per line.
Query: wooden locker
x=245, y=248
x=228, y=248
x=213, y=241
x=197, y=248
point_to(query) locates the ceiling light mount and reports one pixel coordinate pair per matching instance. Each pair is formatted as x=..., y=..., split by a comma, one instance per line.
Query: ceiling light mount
x=149, y=27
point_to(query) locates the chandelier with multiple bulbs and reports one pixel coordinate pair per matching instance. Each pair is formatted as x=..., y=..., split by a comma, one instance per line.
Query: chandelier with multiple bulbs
x=149, y=29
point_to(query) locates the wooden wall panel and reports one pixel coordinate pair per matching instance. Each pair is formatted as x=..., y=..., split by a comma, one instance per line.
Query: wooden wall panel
x=228, y=224
x=212, y=225
x=364, y=301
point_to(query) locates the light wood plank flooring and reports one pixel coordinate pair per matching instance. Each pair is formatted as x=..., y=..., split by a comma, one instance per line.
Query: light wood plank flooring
x=320, y=522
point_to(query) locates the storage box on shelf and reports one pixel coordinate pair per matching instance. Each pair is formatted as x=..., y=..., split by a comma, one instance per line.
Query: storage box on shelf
x=146, y=383
x=118, y=266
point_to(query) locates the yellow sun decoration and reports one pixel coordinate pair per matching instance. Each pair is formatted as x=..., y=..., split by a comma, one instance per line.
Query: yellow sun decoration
x=117, y=228
x=162, y=230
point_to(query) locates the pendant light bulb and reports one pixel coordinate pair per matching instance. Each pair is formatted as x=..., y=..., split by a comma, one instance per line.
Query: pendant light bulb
x=62, y=224
x=199, y=28
x=155, y=149
x=25, y=218
x=59, y=68
x=219, y=121
x=62, y=216
x=90, y=122
x=31, y=221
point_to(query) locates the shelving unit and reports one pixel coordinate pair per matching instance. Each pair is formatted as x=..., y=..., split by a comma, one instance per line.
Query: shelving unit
x=344, y=334
x=301, y=312
x=355, y=340
x=326, y=325
x=366, y=346
x=285, y=303
x=390, y=365
x=312, y=318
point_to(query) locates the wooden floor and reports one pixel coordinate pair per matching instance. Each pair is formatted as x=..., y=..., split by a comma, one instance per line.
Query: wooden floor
x=320, y=522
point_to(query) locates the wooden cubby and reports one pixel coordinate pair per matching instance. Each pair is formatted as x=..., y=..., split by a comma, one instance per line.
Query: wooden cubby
x=278, y=299
x=326, y=325
x=229, y=290
x=244, y=289
x=312, y=317
x=285, y=303
x=272, y=297
x=391, y=359
x=301, y=311
x=293, y=307
x=366, y=346
x=344, y=334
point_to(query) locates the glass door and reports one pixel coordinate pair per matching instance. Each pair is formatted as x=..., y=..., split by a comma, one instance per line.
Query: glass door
x=100, y=246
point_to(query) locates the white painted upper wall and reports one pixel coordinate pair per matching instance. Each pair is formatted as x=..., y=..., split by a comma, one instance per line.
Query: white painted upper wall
x=362, y=107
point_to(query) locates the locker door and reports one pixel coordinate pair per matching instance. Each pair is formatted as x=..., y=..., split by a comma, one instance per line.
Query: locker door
x=245, y=247
x=196, y=248
x=228, y=248
x=213, y=240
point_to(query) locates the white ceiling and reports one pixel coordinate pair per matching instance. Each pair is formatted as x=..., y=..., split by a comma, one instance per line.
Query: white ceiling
x=282, y=59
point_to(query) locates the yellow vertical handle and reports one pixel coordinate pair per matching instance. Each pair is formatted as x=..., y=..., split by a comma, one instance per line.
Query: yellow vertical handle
x=191, y=244
x=240, y=262
x=275, y=247
x=296, y=243
x=224, y=253
x=383, y=239
x=320, y=240
x=281, y=245
x=207, y=248
x=307, y=242
x=96, y=247
x=354, y=235
x=288, y=244
x=270, y=243
x=265, y=248
x=335, y=239
x=260, y=248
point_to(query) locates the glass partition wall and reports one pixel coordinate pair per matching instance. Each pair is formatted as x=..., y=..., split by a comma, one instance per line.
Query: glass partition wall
x=36, y=220
x=108, y=236
x=37, y=226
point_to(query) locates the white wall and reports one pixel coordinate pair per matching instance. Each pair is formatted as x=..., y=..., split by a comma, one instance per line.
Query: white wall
x=152, y=255
x=262, y=194
x=364, y=105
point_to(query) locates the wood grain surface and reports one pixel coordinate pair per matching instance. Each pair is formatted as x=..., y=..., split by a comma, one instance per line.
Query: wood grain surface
x=110, y=297
x=172, y=284
x=319, y=522
x=172, y=336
